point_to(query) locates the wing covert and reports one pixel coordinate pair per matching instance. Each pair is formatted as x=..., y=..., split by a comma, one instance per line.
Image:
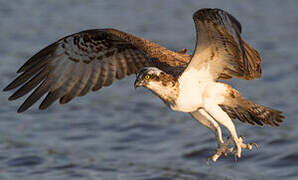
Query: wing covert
x=220, y=49
x=85, y=61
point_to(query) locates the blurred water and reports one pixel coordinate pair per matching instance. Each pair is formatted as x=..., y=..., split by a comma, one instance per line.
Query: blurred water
x=120, y=133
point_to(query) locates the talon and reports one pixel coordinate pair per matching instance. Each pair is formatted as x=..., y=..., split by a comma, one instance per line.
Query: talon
x=255, y=145
x=231, y=150
x=213, y=158
x=249, y=146
x=239, y=149
x=235, y=158
x=207, y=161
x=239, y=145
x=222, y=149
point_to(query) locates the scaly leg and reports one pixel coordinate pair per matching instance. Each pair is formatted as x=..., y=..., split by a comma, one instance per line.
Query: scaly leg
x=205, y=119
x=220, y=116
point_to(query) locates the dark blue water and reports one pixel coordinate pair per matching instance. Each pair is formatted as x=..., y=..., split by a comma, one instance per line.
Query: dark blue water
x=123, y=134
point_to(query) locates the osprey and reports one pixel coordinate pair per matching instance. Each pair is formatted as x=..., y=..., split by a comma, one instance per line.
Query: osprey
x=92, y=59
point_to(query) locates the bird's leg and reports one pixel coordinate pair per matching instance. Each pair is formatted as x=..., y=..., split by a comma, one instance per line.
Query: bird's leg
x=205, y=119
x=222, y=117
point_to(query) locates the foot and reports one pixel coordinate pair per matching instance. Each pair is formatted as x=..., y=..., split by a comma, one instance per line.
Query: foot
x=239, y=145
x=222, y=149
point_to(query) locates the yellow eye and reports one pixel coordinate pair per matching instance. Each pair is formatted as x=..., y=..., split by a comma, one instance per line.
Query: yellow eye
x=147, y=77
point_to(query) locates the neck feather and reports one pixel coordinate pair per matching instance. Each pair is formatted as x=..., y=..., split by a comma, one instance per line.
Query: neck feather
x=167, y=90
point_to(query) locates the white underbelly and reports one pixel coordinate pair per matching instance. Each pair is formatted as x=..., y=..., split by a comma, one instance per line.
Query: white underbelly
x=184, y=105
x=195, y=88
x=189, y=99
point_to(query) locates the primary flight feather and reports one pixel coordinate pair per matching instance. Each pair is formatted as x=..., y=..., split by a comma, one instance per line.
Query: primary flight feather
x=92, y=59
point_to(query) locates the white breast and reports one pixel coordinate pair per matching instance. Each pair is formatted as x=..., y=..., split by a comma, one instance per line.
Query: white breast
x=190, y=94
x=196, y=87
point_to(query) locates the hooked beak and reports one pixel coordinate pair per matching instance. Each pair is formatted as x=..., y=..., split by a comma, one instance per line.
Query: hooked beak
x=138, y=83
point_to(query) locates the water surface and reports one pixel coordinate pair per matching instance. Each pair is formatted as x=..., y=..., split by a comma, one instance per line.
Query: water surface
x=120, y=133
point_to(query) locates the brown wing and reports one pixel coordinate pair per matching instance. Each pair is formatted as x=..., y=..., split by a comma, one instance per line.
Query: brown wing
x=86, y=61
x=220, y=49
x=247, y=111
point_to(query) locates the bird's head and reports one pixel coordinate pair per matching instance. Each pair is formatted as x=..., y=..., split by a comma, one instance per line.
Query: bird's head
x=156, y=80
x=149, y=77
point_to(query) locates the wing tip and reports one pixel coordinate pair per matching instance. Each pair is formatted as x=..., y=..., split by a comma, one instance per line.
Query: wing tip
x=65, y=99
x=6, y=89
x=215, y=15
x=11, y=98
x=205, y=11
x=22, y=108
x=10, y=86
x=21, y=69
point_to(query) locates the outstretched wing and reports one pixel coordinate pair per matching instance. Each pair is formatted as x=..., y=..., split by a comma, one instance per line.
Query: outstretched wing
x=220, y=51
x=86, y=61
x=247, y=111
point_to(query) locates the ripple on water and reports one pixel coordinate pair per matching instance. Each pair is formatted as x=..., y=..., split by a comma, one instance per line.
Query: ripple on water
x=25, y=161
x=289, y=160
x=159, y=178
x=66, y=166
x=80, y=137
x=198, y=154
x=279, y=142
x=119, y=131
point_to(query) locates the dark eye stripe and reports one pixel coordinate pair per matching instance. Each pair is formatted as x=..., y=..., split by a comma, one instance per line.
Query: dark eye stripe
x=154, y=77
x=140, y=73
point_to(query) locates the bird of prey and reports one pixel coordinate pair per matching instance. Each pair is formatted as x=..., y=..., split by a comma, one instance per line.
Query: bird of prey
x=92, y=59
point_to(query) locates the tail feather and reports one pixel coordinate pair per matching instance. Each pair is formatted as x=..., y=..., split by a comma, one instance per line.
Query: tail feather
x=255, y=114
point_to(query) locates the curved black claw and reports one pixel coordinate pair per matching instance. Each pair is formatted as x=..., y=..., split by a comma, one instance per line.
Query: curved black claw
x=255, y=145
